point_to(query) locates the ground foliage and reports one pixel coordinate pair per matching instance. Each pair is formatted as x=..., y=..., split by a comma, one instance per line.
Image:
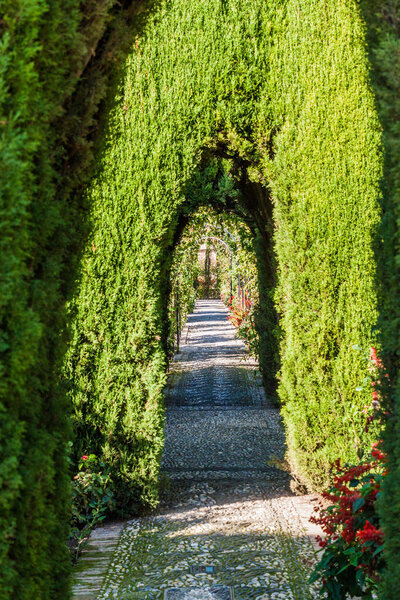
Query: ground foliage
x=92, y=500
x=278, y=90
x=351, y=562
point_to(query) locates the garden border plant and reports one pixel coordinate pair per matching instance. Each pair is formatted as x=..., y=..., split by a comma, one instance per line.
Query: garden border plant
x=353, y=558
x=92, y=500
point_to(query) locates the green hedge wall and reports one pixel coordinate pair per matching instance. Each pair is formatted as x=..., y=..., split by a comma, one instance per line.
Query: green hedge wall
x=383, y=28
x=45, y=117
x=325, y=181
x=34, y=486
x=282, y=90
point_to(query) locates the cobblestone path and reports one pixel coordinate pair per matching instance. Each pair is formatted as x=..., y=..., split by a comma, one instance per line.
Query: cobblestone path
x=229, y=526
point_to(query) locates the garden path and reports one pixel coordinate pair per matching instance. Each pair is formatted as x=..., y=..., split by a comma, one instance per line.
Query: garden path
x=228, y=526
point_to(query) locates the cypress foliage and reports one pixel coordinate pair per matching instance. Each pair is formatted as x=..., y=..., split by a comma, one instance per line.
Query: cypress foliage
x=282, y=91
x=325, y=181
x=45, y=46
x=34, y=484
x=382, y=19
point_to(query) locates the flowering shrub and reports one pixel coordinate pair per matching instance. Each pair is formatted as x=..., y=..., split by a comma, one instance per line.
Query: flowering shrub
x=92, y=497
x=352, y=558
x=377, y=372
x=242, y=319
x=236, y=314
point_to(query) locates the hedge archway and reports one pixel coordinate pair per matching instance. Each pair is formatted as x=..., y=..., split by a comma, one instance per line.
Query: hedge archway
x=281, y=91
x=220, y=80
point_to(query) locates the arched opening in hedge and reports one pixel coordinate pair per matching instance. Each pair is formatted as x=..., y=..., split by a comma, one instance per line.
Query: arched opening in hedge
x=281, y=92
x=220, y=208
x=215, y=184
x=177, y=117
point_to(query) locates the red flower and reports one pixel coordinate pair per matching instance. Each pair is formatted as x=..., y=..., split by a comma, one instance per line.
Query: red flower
x=374, y=358
x=84, y=457
x=370, y=533
x=378, y=455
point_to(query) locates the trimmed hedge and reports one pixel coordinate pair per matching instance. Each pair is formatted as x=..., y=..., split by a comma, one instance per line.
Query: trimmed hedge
x=44, y=154
x=281, y=92
x=325, y=181
x=165, y=111
x=382, y=18
x=34, y=486
x=287, y=101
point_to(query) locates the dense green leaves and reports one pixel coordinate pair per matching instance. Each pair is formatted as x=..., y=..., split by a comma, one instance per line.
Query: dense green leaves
x=286, y=101
x=382, y=18
x=34, y=494
x=325, y=178
x=42, y=53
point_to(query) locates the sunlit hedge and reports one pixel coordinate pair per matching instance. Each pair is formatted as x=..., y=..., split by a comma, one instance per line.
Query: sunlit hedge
x=325, y=180
x=287, y=101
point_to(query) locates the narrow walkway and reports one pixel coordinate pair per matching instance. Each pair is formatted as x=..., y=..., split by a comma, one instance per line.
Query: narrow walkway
x=229, y=527
x=219, y=423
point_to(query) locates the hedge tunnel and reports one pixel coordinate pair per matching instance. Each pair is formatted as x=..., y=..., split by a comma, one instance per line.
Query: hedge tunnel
x=117, y=122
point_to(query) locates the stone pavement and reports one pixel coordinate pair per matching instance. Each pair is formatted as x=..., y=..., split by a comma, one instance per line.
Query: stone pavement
x=228, y=526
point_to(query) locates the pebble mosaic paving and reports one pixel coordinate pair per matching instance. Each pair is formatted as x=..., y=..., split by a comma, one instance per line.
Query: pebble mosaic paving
x=228, y=528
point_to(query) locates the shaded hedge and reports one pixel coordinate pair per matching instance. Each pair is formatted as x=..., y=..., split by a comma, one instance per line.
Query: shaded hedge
x=383, y=28
x=44, y=154
x=34, y=496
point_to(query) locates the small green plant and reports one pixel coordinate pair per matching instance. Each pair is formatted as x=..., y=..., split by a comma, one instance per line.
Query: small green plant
x=92, y=498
